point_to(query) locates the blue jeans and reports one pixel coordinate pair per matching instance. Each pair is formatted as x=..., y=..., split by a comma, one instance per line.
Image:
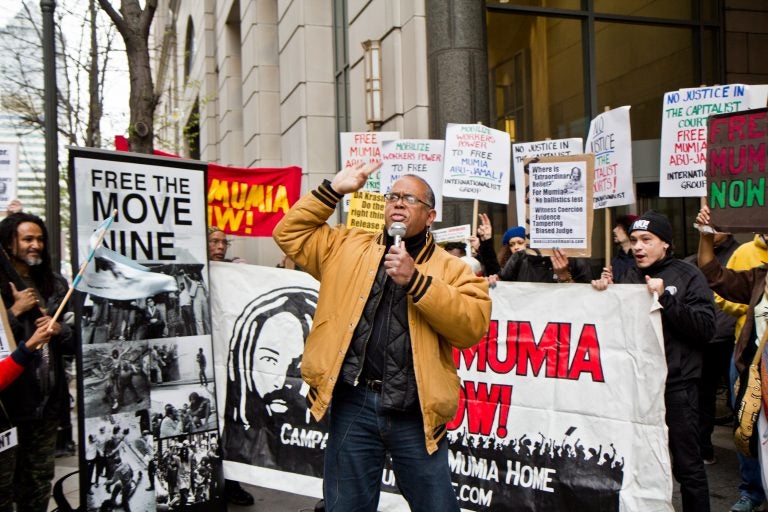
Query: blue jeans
x=360, y=436
x=751, y=484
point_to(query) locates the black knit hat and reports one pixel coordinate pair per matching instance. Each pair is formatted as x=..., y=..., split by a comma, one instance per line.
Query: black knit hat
x=656, y=223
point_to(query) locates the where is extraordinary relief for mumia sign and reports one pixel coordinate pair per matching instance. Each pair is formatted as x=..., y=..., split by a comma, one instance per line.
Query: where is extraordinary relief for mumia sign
x=736, y=169
x=559, y=203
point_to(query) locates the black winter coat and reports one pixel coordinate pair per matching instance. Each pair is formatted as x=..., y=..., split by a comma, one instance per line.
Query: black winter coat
x=688, y=317
x=25, y=399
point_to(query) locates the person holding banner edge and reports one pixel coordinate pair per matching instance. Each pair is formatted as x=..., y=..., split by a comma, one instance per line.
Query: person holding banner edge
x=688, y=322
x=38, y=401
x=748, y=287
x=218, y=245
x=386, y=373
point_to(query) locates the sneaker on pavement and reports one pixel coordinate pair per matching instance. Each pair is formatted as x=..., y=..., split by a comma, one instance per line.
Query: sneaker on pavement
x=236, y=495
x=744, y=505
x=710, y=461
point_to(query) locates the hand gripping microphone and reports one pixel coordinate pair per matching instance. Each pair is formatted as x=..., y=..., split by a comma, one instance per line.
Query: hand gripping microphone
x=396, y=231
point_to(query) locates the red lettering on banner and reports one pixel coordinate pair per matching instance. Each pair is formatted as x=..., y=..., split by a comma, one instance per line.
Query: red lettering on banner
x=479, y=401
x=526, y=356
x=587, y=357
x=532, y=354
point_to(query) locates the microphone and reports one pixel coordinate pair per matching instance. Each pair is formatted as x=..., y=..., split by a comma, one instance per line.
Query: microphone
x=396, y=231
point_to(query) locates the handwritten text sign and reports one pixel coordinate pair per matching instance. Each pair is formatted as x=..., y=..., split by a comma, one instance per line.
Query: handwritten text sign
x=476, y=163
x=736, y=170
x=684, y=135
x=419, y=157
x=610, y=140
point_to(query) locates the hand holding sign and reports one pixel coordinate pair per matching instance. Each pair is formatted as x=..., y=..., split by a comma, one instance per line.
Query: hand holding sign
x=352, y=179
x=39, y=338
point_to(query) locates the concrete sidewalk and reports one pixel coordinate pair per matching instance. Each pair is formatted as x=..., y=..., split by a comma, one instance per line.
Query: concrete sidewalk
x=723, y=484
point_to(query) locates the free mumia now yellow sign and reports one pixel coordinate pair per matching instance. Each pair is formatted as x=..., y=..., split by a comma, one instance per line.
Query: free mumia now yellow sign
x=366, y=211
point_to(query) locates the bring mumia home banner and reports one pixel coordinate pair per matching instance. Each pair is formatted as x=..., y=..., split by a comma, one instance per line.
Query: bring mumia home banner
x=561, y=404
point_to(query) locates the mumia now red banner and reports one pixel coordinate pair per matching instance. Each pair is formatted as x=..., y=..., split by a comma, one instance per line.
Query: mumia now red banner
x=561, y=404
x=250, y=202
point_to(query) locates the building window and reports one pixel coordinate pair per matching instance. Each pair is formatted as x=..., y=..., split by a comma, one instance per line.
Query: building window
x=192, y=132
x=341, y=67
x=577, y=57
x=374, y=111
x=189, y=48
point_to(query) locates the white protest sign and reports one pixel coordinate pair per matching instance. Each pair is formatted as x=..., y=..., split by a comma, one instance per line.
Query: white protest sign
x=558, y=205
x=476, y=163
x=452, y=234
x=363, y=148
x=420, y=157
x=684, y=135
x=9, y=168
x=610, y=140
x=520, y=152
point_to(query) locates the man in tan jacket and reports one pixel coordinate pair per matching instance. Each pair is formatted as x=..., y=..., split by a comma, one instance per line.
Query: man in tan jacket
x=380, y=350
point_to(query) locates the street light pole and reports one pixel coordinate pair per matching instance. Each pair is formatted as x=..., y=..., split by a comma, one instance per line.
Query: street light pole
x=52, y=201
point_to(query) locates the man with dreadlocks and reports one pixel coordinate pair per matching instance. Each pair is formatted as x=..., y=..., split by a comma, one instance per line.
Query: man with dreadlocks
x=39, y=399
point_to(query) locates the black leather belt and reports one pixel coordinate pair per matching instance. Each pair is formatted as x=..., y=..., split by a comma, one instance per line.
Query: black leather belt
x=372, y=384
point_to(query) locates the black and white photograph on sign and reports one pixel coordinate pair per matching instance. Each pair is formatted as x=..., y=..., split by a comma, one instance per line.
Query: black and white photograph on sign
x=115, y=377
x=186, y=311
x=558, y=205
x=167, y=314
x=187, y=470
x=147, y=287
x=575, y=183
x=118, y=451
x=182, y=409
x=181, y=361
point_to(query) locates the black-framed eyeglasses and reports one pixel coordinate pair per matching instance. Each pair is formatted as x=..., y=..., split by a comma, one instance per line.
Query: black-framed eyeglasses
x=393, y=197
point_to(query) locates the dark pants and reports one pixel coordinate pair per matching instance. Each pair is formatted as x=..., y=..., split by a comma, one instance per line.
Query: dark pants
x=188, y=316
x=360, y=436
x=151, y=468
x=203, y=378
x=27, y=470
x=90, y=470
x=714, y=372
x=101, y=467
x=687, y=465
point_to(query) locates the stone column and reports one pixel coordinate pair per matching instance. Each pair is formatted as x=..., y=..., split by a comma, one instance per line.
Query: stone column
x=457, y=63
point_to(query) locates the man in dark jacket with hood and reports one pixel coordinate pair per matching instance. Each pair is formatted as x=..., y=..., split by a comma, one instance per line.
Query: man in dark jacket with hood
x=688, y=321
